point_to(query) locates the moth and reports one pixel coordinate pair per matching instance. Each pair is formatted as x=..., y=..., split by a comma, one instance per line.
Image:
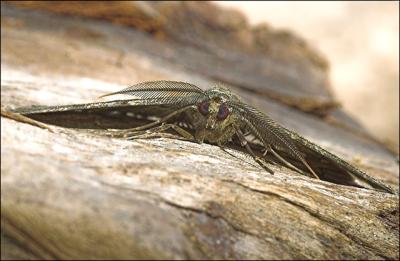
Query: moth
x=215, y=116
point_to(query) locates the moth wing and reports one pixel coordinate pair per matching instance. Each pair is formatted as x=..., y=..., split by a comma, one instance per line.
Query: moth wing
x=338, y=170
x=328, y=166
x=144, y=99
x=266, y=130
x=147, y=93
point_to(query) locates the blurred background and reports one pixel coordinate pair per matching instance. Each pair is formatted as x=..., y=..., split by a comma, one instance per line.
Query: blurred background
x=361, y=42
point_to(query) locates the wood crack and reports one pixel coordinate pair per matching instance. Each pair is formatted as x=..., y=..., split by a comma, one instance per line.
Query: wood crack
x=159, y=198
x=316, y=215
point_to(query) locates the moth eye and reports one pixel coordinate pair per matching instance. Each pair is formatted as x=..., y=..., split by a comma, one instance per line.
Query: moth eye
x=223, y=112
x=203, y=107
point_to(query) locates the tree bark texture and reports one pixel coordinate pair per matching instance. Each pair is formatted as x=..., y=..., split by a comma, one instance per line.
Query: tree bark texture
x=69, y=194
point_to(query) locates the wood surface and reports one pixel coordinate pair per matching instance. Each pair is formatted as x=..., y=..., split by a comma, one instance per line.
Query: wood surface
x=69, y=194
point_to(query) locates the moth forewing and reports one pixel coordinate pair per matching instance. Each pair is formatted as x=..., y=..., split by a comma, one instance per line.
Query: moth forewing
x=115, y=110
x=269, y=133
x=358, y=176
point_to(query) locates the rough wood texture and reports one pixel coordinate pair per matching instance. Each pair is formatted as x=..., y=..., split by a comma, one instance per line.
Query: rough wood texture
x=68, y=194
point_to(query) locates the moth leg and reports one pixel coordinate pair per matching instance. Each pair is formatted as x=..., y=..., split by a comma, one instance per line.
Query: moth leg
x=310, y=169
x=288, y=164
x=224, y=139
x=245, y=144
x=141, y=134
x=155, y=135
x=234, y=156
x=159, y=129
x=163, y=119
x=180, y=131
x=135, y=131
x=228, y=132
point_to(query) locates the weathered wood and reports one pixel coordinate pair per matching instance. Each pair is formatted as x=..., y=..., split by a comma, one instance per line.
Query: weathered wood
x=69, y=194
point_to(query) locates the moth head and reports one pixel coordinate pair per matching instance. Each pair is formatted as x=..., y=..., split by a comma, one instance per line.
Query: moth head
x=215, y=112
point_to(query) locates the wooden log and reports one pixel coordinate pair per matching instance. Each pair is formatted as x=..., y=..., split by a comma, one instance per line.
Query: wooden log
x=68, y=194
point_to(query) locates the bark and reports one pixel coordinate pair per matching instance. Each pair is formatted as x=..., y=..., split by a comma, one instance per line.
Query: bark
x=69, y=194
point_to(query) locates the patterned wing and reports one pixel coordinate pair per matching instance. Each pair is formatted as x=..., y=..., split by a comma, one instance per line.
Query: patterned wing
x=143, y=100
x=270, y=133
x=164, y=93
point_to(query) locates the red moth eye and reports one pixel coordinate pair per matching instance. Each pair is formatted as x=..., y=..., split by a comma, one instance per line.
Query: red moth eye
x=203, y=107
x=223, y=112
